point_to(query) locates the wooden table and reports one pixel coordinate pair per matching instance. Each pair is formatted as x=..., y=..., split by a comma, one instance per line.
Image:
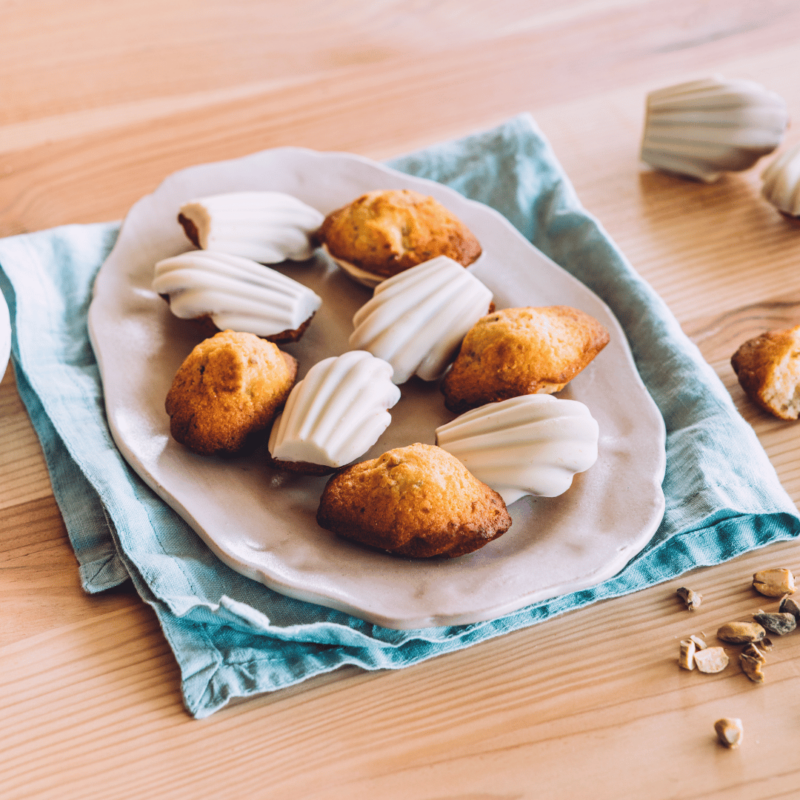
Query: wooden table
x=101, y=101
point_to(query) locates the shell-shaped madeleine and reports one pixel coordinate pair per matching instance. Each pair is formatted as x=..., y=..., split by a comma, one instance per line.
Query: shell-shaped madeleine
x=532, y=444
x=781, y=182
x=268, y=227
x=236, y=293
x=417, y=318
x=336, y=413
x=703, y=128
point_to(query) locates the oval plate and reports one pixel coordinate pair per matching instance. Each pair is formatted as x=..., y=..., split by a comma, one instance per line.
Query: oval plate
x=262, y=523
x=5, y=336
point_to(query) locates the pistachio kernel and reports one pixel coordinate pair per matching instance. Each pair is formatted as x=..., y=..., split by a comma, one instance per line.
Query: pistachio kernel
x=730, y=732
x=710, y=660
x=686, y=658
x=741, y=632
x=774, y=582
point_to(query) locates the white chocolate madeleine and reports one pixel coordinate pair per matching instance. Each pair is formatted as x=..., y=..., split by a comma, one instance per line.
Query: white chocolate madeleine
x=703, y=128
x=532, y=444
x=268, y=227
x=336, y=413
x=781, y=182
x=234, y=292
x=417, y=318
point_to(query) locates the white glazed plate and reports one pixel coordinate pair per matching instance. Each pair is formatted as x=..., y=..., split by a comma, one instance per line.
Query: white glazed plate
x=262, y=523
x=5, y=336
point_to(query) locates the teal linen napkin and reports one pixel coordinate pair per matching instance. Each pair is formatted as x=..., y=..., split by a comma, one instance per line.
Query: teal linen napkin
x=233, y=637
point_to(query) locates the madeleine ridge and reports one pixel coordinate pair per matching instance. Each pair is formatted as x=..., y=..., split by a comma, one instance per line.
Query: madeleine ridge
x=267, y=227
x=416, y=501
x=225, y=292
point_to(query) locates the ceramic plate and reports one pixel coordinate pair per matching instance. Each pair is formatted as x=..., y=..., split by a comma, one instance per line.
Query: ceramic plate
x=262, y=523
x=5, y=336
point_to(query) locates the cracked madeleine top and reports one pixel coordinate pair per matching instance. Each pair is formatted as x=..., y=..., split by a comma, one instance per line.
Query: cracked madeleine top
x=520, y=351
x=416, y=501
x=386, y=232
x=229, y=387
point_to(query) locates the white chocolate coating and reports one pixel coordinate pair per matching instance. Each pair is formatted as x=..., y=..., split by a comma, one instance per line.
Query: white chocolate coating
x=368, y=279
x=533, y=444
x=337, y=412
x=417, y=318
x=703, y=128
x=237, y=293
x=268, y=227
x=782, y=182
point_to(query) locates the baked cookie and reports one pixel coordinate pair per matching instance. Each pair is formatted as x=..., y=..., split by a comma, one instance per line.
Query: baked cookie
x=385, y=232
x=218, y=292
x=416, y=501
x=520, y=351
x=768, y=369
x=228, y=388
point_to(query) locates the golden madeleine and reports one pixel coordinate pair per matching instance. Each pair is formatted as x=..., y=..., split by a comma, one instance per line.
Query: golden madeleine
x=386, y=232
x=416, y=501
x=520, y=351
x=768, y=369
x=229, y=387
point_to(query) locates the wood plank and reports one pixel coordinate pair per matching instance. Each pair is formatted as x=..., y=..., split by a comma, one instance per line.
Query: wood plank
x=576, y=687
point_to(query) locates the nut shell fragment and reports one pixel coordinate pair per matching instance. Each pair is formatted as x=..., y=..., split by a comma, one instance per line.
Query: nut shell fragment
x=774, y=582
x=741, y=632
x=754, y=651
x=710, y=660
x=729, y=731
x=752, y=666
x=789, y=606
x=781, y=623
x=692, y=599
x=752, y=661
x=686, y=658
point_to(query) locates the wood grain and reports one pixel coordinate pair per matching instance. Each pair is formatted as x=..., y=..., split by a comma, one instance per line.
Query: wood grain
x=100, y=102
